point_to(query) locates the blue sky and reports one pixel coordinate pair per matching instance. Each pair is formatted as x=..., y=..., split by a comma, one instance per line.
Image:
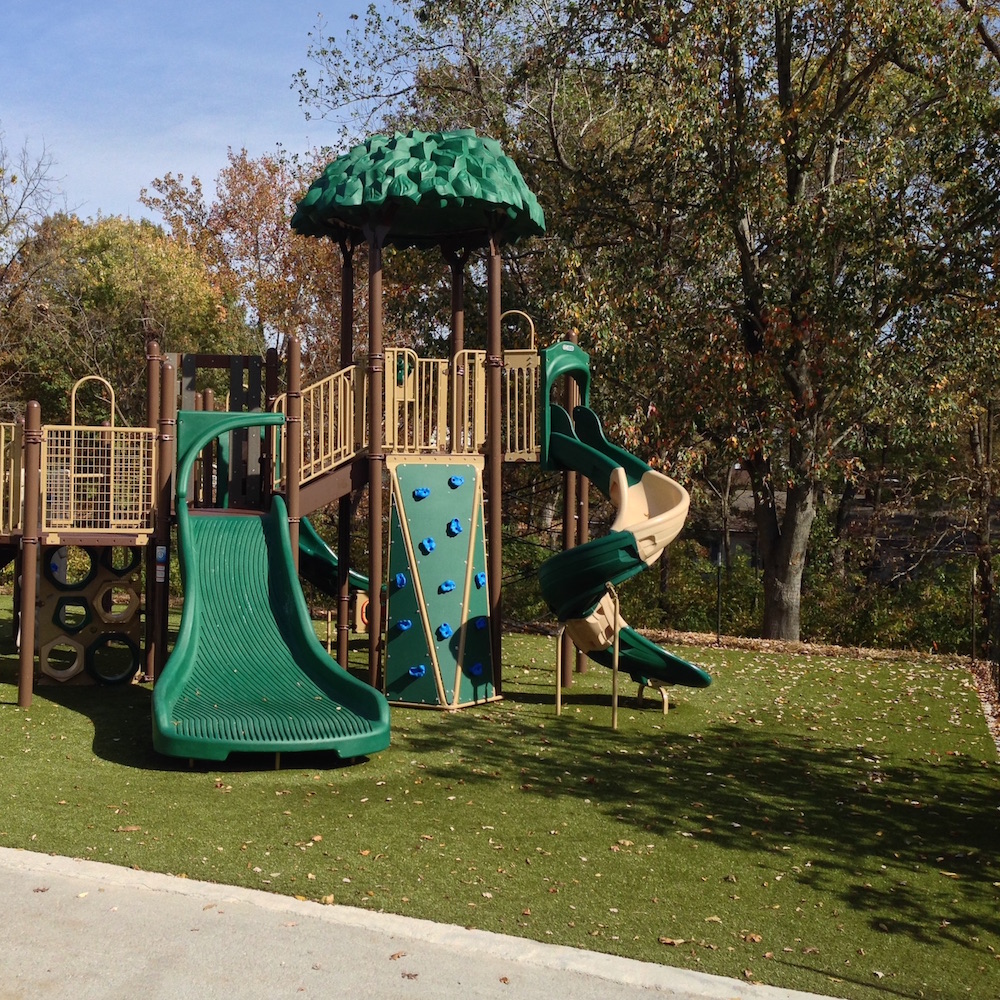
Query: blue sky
x=118, y=93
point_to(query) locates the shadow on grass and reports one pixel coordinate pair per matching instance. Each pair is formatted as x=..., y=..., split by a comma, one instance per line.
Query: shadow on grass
x=911, y=843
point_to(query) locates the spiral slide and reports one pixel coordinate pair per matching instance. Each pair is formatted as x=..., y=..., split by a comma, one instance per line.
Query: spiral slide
x=651, y=511
x=247, y=672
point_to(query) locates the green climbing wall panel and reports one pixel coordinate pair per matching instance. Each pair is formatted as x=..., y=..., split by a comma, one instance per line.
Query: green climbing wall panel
x=438, y=627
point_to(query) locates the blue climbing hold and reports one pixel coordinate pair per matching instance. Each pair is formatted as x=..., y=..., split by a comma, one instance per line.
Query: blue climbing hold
x=481, y=622
x=404, y=624
x=447, y=586
x=400, y=581
x=428, y=545
x=444, y=631
x=421, y=493
x=454, y=527
x=476, y=669
x=418, y=670
x=480, y=580
x=456, y=481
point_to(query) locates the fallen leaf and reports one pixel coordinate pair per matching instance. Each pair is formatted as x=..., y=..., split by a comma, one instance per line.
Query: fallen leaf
x=410, y=975
x=713, y=920
x=396, y=955
x=41, y=888
x=504, y=980
x=671, y=941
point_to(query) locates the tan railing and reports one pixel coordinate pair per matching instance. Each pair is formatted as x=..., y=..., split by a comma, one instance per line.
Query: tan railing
x=468, y=403
x=416, y=402
x=98, y=479
x=520, y=405
x=431, y=407
x=10, y=478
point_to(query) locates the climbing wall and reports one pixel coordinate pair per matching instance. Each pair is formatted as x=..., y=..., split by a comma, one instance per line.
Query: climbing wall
x=89, y=621
x=437, y=622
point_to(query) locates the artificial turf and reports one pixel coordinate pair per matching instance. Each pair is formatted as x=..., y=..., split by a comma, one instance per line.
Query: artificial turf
x=811, y=822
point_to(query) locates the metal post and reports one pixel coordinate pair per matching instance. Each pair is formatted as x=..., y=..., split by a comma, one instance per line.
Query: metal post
x=153, y=361
x=293, y=435
x=29, y=550
x=559, y=670
x=161, y=528
x=569, y=526
x=616, y=655
x=269, y=439
x=344, y=509
x=494, y=447
x=376, y=457
x=582, y=537
x=208, y=494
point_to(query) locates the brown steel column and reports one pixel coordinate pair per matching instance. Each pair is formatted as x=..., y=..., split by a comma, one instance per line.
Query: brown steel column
x=344, y=512
x=153, y=360
x=582, y=537
x=269, y=434
x=29, y=551
x=457, y=261
x=494, y=459
x=570, y=482
x=376, y=457
x=161, y=529
x=293, y=453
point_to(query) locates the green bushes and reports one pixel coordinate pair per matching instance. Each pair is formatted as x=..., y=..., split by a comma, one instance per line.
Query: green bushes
x=684, y=591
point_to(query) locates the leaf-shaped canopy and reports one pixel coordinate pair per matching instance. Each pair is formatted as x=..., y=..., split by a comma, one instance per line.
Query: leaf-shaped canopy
x=428, y=188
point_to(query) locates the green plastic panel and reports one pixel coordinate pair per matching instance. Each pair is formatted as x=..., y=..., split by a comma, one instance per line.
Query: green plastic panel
x=438, y=629
x=429, y=188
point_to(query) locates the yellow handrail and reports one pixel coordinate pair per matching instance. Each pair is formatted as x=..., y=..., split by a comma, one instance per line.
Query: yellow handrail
x=10, y=477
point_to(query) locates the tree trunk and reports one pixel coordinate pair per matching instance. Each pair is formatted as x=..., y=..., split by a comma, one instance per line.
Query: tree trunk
x=784, y=538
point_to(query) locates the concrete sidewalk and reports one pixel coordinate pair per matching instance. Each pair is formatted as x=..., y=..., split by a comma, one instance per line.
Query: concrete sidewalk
x=86, y=930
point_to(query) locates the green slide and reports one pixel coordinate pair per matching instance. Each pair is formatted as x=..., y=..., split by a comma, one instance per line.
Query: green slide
x=651, y=511
x=318, y=562
x=247, y=672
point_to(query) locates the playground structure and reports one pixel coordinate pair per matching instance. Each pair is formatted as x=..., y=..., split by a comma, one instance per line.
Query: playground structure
x=246, y=672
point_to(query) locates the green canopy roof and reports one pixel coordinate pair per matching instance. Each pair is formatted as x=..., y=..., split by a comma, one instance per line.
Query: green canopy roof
x=429, y=188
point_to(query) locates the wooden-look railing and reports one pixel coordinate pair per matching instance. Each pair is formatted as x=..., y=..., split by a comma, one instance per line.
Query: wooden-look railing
x=10, y=478
x=431, y=406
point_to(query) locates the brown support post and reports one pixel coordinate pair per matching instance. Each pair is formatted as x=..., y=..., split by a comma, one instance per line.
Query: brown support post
x=29, y=551
x=293, y=431
x=153, y=360
x=209, y=496
x=344, y=510
x=376, y=456
x=570, y=481
x=494, y=458
x=161, y=529
x=269, y=438
x=457, y=261
x=582, y=537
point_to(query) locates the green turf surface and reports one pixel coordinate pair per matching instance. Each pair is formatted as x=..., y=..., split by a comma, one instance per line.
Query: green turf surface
x=820, y=824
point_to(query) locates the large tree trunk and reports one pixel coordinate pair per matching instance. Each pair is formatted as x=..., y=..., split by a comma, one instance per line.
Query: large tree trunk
x=784, y=538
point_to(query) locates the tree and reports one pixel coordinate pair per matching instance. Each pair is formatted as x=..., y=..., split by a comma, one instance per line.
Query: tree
x=775, y=219
x=107, y=288
x=26, y=195
x=289, y=285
